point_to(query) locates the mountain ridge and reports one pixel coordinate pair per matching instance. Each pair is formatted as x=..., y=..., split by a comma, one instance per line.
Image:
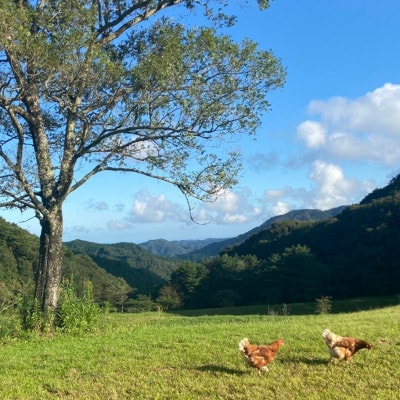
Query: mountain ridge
x=176, y=248
x=214, y=248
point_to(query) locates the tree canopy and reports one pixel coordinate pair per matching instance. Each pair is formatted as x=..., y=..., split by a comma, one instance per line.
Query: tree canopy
x=117, y=85
x=86, y=88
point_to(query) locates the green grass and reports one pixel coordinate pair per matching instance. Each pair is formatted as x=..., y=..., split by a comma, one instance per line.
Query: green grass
x=338, y=306
x=166, y=356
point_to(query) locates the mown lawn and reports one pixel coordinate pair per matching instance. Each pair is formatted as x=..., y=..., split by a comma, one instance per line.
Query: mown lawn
x=164, y=356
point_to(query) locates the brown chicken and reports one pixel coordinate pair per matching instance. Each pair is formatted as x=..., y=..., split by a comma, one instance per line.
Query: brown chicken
x=259, y=356
x=343, y=348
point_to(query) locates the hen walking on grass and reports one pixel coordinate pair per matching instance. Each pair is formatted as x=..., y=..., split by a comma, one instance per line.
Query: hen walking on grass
x=259, y=356
x=343, y=348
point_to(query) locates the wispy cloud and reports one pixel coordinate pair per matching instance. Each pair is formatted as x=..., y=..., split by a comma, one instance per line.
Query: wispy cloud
x=263, y=161
x=94, y=205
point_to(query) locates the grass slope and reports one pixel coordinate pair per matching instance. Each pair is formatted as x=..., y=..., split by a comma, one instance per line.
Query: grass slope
x=163, y=356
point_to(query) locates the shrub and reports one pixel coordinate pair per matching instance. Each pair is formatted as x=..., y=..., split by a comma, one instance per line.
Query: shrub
x=77, y=314
x=31, y=316
x=323, y=305
x=74, y=314
x=142, y=303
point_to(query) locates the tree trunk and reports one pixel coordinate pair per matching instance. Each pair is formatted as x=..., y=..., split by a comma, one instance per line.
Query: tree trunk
x=48, y=277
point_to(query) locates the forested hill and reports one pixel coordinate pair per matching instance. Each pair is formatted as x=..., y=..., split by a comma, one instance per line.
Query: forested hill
x=103, y=265
x=355, y=253
x=143, y=271
x=390, y=190
x=217, y=247
x=19, y=251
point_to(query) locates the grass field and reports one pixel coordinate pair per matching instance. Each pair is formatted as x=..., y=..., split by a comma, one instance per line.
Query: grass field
x=166, y=356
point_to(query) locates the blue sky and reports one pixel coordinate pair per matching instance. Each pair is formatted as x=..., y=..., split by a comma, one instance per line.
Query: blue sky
x=332, y=136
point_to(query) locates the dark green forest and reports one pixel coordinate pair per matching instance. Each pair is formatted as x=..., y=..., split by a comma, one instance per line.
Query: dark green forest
x=142, y=270
x=354, y=251
x=116, y=271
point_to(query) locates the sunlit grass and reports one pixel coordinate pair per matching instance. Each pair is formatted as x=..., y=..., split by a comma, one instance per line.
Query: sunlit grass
x=162, y=356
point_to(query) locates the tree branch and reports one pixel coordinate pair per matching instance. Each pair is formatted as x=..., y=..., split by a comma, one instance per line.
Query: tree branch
x=107, y=37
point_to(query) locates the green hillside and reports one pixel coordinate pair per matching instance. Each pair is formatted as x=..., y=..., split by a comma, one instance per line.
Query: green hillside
x=358, y=250
x=18, y=258
x=355, y=253
x=143, y=271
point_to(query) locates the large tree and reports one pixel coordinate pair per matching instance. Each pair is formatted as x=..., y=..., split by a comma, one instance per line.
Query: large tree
x=116, y=85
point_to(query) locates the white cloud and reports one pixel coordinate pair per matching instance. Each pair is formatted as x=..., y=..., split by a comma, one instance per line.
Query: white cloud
x=376, y=111
x=364, y=129
x=279, y=201
x=329, y=188
x=332, y=188
x=373, y=148
x=280, y=208
x=154, y=208
x=313, y=133
x=142, y=150
x=231, y=208
x=227, y=203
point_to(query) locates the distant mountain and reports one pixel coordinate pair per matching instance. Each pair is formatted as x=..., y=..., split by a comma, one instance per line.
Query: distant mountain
x=215, y=248
x=142, y=270
x=175, y=248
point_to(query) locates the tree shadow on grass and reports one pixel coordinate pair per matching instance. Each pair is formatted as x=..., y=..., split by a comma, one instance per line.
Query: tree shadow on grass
x=219, y=369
